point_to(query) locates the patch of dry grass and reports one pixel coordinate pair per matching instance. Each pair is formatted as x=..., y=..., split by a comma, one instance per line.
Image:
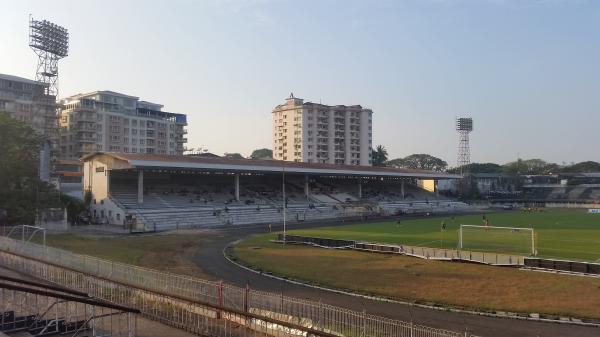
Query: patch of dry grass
x=167, y=252
x=408, y=278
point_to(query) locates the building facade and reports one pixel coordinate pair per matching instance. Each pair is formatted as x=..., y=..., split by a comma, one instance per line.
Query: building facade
x=26, y=101
x=114, y=122
x=318, y=133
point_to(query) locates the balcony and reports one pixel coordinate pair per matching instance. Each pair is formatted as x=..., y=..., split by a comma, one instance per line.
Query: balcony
x=85, y=140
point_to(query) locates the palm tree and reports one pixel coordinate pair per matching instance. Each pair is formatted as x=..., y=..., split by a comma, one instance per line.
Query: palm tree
x=380, y=156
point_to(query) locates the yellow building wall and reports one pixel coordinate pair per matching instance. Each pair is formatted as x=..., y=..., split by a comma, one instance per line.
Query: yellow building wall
x=427, y=184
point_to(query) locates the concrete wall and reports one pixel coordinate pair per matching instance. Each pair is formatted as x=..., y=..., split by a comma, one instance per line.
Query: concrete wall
x=96, y=178
x=426, y=184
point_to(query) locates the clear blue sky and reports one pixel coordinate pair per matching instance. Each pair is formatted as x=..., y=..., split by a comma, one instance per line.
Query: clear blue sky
x=528, y=72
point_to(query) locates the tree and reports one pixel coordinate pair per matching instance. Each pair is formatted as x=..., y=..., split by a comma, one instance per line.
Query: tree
x=530, y=166
x=582, y=167
x=262, y=154
x=19, y=147
x=477, y=168
x=380, y=156
x=419, y=161
x=21, y=190
x=233, y=156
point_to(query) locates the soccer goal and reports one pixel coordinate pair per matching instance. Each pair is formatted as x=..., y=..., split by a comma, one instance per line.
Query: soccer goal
x=497, y=239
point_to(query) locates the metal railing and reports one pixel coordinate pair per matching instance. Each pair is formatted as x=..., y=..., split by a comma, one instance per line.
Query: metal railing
x=37, y=311
x=187, y=292
x=417, y=251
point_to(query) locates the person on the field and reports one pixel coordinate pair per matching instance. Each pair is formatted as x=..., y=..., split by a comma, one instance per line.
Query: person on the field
x=443, y=225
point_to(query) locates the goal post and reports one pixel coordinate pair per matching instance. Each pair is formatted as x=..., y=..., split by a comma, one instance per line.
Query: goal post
x=497, y=238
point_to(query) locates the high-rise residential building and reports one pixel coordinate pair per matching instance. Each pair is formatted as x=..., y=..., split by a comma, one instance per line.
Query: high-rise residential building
x=110, y=121
x=318, y=133
x=26, y=101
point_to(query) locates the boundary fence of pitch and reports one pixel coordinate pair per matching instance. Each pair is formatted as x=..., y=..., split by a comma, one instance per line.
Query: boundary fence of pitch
x=312, y=315
x=421, y=252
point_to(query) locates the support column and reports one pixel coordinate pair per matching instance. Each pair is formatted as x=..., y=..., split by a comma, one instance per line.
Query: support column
x=237, y=187
x=108, y=188
x=306, y=187
x=402, y=189
x=140, y=187
x=359, y=188
x=435, y=188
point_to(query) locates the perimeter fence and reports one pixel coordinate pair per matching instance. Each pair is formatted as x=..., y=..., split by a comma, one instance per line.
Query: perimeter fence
x=208, y=300
x=417, y=251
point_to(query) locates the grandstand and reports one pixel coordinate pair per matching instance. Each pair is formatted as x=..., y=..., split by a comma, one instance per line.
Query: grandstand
x=581, y=188
x=160, y=192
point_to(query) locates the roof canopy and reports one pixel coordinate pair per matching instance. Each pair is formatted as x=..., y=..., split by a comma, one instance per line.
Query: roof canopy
x=128, y=161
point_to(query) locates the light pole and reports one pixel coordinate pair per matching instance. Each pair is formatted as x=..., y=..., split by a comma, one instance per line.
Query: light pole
x=284, y=203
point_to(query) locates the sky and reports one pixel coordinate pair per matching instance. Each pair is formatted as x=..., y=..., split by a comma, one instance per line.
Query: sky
x=526, y=71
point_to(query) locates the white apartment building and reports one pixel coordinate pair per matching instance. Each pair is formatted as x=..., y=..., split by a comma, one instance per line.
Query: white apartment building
x=317, y=133
x=114, y=122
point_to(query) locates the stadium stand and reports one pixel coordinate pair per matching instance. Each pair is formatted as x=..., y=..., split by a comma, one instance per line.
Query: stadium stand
x=157, y=193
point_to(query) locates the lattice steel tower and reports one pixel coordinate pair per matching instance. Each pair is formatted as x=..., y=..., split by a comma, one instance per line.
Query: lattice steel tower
x=50, y=42
x=464, y=126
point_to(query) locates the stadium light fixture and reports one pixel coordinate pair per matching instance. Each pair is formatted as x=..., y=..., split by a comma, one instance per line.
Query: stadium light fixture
x=50, y=42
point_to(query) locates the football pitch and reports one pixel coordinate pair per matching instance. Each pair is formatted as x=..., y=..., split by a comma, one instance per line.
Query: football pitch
x=570, y=234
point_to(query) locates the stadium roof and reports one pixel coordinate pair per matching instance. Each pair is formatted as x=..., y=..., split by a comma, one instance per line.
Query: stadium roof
x=152, y=161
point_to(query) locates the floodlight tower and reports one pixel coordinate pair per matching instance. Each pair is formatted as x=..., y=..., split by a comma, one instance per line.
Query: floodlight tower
x=464, y=126
x=50, y=42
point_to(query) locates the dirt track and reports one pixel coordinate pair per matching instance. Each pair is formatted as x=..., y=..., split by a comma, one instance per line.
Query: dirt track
x=210, y=259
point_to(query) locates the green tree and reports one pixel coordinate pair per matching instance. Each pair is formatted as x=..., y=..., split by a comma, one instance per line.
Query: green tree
x=477, y=168
x=233, y=156
x=582, y=167
x=19, y=149
x=380, y=156
x=419, y=161
x=262, y=154
x=530, y=166
x=21, y=191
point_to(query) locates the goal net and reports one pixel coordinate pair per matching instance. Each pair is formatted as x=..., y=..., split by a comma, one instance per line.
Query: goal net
x=507, y=240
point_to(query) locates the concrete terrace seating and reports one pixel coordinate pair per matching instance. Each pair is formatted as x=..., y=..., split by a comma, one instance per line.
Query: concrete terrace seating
x=180, y=204
x=204, y=217
x=423, y=207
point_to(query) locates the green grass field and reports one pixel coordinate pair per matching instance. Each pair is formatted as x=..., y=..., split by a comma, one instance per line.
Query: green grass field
x=559, y=233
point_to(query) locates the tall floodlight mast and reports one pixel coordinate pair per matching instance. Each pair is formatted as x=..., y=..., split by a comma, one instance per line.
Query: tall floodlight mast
x=464, y=126
x=50, y=42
